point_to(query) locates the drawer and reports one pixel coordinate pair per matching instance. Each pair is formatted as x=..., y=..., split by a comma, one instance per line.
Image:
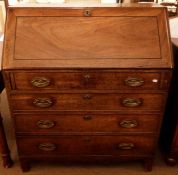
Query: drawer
x=95, y=101
x=86, y=145
x=53, y=123
x=98, y=80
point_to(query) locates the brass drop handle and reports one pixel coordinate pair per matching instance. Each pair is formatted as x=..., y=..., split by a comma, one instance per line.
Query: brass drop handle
x=40, y=82
x=87, y=97
x=87, y=117
x=47, y=146
x=134, y=81
x=45, y=124
x=132, y=102
x=87, y=77
x=43, y=102
x=125, y=146
x=128, y=123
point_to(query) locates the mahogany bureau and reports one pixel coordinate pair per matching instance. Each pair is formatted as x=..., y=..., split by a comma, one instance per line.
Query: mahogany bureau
x=87, y=82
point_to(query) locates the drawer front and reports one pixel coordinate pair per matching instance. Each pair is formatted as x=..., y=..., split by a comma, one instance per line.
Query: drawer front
x=85, y=123
x=95, y=101
x=86, y=145
x=86, y=80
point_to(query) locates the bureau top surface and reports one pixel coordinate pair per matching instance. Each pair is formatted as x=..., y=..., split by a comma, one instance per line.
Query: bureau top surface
x=131, y=36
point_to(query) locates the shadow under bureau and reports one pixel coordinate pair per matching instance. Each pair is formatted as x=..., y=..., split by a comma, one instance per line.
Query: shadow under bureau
x=87, y=84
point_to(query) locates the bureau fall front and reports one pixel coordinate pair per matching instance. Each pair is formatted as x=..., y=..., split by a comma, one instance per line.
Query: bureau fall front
x=87, y=83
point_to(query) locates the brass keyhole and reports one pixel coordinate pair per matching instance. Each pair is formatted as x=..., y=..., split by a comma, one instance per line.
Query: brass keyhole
x=87, y=13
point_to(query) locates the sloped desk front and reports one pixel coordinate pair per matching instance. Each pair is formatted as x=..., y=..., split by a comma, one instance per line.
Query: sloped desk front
x=87, y=83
